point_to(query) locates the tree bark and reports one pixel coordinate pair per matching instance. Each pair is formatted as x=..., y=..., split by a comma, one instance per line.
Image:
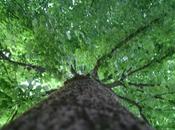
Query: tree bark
x=82, y=104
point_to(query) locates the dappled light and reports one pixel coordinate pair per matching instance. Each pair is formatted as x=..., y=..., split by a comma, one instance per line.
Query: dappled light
x=126, y=45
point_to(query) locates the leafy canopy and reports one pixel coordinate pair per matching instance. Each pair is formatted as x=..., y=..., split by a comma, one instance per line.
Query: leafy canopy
x=127, y=44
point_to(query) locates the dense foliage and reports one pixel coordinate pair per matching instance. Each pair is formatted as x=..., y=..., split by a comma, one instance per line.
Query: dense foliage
x=128, y=43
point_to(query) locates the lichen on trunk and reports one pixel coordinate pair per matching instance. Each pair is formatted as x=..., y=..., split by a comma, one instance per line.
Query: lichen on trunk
x=81, y=104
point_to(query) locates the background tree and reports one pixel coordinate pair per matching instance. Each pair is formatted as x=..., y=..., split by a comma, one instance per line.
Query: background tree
x=128, y=45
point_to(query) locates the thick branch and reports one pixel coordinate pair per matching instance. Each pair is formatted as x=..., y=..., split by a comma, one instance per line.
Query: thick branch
x=122, y=43
x=25, y=65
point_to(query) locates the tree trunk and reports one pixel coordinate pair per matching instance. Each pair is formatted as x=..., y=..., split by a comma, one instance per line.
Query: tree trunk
x=82, y=104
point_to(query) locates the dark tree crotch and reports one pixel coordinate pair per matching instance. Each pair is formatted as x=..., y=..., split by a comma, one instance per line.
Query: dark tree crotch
x=82, y=104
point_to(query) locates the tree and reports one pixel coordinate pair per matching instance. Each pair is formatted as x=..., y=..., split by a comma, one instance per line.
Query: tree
x=82, y=104
x=126, y=47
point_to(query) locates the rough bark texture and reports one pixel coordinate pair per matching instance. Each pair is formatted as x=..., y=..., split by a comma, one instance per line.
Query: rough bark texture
x=82, y=104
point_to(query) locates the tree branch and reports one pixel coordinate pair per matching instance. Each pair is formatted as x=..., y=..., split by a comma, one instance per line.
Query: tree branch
x=39, y=69
x=122, y=83
x=122, y=43
x=92, y=3
x=158, y=96
x=141, y=85
x=140, y=108
x=7, y=72
x=73, y=68
x=131, y=72
x=153, y=61
x=14, y=113
x=115, y=84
